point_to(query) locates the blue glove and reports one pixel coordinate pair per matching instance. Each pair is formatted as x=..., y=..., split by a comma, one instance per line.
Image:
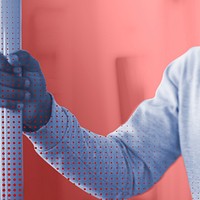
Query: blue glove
x=23, y=86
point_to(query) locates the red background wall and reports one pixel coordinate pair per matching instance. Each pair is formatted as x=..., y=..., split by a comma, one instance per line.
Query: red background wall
x=100, y=59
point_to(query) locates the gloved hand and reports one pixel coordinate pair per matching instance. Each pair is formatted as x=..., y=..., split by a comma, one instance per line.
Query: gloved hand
x=26, y=92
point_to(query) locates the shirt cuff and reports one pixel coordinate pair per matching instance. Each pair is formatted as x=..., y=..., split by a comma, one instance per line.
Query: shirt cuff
x=49, y=135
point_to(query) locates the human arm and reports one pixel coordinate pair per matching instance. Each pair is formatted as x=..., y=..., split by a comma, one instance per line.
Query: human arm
x=127, y=161
x=133, y=157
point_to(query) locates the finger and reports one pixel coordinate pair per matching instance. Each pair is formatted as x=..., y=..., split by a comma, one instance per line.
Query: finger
x=12, y=105
x=23, y=58
x=12, y=81
x=13, y=94
x=6, y=67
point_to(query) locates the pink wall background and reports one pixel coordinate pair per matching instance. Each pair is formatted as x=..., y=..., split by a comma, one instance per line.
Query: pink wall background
x=100, y=60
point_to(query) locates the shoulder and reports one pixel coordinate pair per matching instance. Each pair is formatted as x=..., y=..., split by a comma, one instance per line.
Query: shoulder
x=187, y=65
x=191, y=56
x=191, y=63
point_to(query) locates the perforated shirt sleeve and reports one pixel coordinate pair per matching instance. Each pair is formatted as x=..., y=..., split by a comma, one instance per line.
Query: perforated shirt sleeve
x=126, y=162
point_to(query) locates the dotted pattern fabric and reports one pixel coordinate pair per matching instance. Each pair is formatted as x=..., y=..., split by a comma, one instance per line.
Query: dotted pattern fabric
x=125, y=163
x=11, y=159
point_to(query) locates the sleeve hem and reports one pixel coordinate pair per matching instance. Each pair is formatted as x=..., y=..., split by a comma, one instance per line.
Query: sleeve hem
x=52, y=133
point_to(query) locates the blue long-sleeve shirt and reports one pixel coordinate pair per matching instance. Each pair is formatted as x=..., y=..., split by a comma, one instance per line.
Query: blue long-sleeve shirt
x=133, y=158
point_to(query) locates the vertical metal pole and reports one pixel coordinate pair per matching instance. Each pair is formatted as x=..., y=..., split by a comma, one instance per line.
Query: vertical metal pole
x=11, y=155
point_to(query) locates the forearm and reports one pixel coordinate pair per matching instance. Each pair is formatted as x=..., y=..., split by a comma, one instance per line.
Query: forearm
x=99, y=165
x=94, y=163
x=41, y=116
x=125, y=163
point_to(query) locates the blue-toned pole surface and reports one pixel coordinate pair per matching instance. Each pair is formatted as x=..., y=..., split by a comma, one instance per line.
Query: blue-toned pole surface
x=11, y=155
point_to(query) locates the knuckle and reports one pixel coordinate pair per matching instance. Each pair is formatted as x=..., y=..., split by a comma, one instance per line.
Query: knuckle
x=27, y=83
x=24, y=54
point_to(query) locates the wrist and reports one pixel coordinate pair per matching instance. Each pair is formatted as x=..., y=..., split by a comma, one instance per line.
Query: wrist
x=42, y=116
